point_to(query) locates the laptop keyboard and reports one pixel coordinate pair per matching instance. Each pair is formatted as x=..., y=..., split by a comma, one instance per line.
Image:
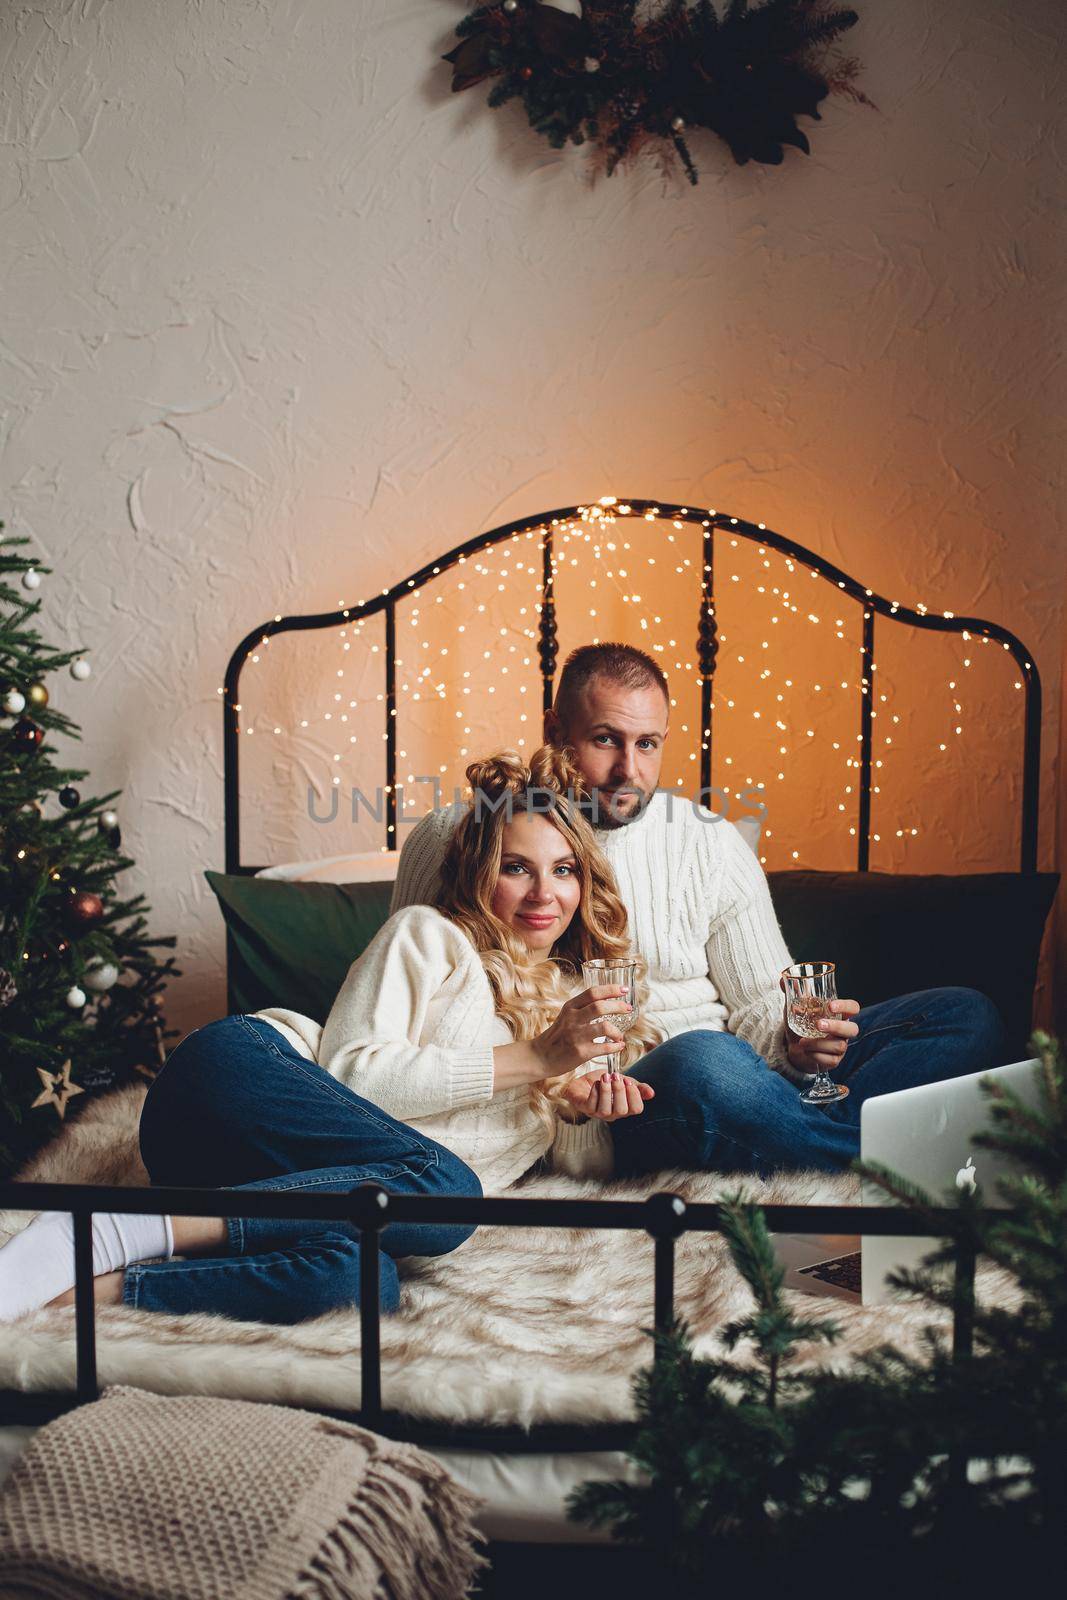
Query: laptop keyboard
x=843, y=1272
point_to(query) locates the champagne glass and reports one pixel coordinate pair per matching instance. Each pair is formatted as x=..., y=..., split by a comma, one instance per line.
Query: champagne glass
x=809, y=988
x=623, y=975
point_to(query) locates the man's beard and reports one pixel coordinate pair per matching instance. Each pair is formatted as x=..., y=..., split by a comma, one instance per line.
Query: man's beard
x=600, y=807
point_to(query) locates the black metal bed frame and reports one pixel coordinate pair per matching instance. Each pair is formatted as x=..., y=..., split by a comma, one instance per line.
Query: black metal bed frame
x=666, y=1217
x=370, y=1208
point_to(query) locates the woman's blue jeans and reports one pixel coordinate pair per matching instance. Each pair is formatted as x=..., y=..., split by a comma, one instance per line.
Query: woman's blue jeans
x=719, y=1107
x=236, y=1107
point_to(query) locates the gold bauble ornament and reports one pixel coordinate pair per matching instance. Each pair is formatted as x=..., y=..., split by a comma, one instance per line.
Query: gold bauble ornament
x=37, y=695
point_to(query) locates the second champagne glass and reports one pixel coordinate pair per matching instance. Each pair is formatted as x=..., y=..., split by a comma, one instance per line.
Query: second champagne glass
x=809, y=988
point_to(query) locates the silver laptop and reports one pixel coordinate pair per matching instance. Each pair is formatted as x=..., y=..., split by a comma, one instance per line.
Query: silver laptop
x=927, y=1135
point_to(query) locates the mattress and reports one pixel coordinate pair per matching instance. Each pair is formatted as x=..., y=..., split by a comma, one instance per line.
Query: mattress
x=523, y=1494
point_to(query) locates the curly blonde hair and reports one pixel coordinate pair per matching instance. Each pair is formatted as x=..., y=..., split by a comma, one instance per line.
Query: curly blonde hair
x=528, y=993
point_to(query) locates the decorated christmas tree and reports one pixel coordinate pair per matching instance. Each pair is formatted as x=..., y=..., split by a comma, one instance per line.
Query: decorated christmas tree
x=81, y=1007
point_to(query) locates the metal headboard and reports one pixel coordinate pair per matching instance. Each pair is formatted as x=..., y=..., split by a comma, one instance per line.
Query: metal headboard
x=545, y=524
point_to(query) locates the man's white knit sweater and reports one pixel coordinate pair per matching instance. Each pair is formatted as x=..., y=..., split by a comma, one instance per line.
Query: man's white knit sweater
x=413, y=1029
x=700, y=914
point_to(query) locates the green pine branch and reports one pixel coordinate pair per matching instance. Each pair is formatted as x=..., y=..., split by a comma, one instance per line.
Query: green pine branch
x=766, y=1454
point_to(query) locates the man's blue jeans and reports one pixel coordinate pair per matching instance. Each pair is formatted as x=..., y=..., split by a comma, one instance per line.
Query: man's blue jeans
x=236, y=1107
x=719, y=1107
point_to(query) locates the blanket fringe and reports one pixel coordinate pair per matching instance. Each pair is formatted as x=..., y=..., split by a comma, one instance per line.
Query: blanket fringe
x=396, y=1542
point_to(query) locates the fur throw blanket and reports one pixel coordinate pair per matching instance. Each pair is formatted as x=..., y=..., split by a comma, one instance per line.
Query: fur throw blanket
x=524, y=1326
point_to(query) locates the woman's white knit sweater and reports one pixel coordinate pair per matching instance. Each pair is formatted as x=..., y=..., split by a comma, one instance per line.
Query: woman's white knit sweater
x=413, y=1029
x=700, y=914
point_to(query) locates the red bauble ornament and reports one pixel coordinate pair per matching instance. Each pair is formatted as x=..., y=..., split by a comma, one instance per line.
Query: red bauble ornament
x=26, y=735
x=83, y=910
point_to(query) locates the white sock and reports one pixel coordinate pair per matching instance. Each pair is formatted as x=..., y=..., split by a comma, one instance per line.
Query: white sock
x=38, y=1263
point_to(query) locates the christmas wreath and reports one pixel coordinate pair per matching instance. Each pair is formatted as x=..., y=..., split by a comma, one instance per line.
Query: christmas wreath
x=623, y=74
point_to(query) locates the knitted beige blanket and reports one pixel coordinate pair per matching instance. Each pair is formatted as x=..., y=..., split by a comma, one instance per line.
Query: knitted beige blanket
x=144, y=1497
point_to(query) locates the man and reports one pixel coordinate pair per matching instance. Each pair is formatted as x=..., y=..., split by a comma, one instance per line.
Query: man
x=701, y=915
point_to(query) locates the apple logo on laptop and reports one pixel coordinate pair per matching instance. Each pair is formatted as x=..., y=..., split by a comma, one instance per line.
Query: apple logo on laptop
x=967, y=1177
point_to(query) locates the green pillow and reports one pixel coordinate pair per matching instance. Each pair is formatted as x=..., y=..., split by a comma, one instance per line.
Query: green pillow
x=892, y=933
x=291, y=944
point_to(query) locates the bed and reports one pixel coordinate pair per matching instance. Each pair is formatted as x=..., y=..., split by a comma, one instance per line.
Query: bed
x=507, y=1402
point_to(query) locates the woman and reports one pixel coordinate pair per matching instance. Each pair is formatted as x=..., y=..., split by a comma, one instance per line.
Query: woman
x=462, y=1049
x=470, y=1021
x=243, y=1102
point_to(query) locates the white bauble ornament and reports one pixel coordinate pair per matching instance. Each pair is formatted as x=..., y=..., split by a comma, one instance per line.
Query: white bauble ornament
x=107, y=820
x=592, y=64
x=76, y=998
x=677, y=123
x=572, y=7
x=101, y=977
x=80, y=670
x=14, y=702
x=511, y=6
x=31, y=579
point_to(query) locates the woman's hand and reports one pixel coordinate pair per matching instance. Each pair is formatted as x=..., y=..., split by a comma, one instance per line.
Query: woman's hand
x=607, y=1096
x=579, y=1033
x=581, y=1030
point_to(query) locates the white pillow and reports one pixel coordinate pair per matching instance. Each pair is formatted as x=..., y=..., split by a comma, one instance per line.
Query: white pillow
x=372, y=866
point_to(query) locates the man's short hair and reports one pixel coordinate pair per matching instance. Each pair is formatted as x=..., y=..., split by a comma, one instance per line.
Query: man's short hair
x=622, y=664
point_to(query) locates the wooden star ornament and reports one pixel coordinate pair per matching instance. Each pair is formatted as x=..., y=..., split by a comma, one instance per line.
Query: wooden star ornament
x=57, y=1089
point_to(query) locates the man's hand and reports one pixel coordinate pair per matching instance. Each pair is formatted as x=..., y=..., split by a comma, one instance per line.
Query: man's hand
x=607, y=1096
x=823, y=1055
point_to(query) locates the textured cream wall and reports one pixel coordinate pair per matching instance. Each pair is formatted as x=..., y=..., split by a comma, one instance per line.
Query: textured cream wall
x=282, y=319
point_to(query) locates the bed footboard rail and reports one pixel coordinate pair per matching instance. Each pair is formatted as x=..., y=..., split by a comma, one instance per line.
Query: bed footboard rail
x=664, y=1216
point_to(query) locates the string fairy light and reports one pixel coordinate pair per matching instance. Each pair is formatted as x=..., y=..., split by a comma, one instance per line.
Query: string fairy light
x=594, y=536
